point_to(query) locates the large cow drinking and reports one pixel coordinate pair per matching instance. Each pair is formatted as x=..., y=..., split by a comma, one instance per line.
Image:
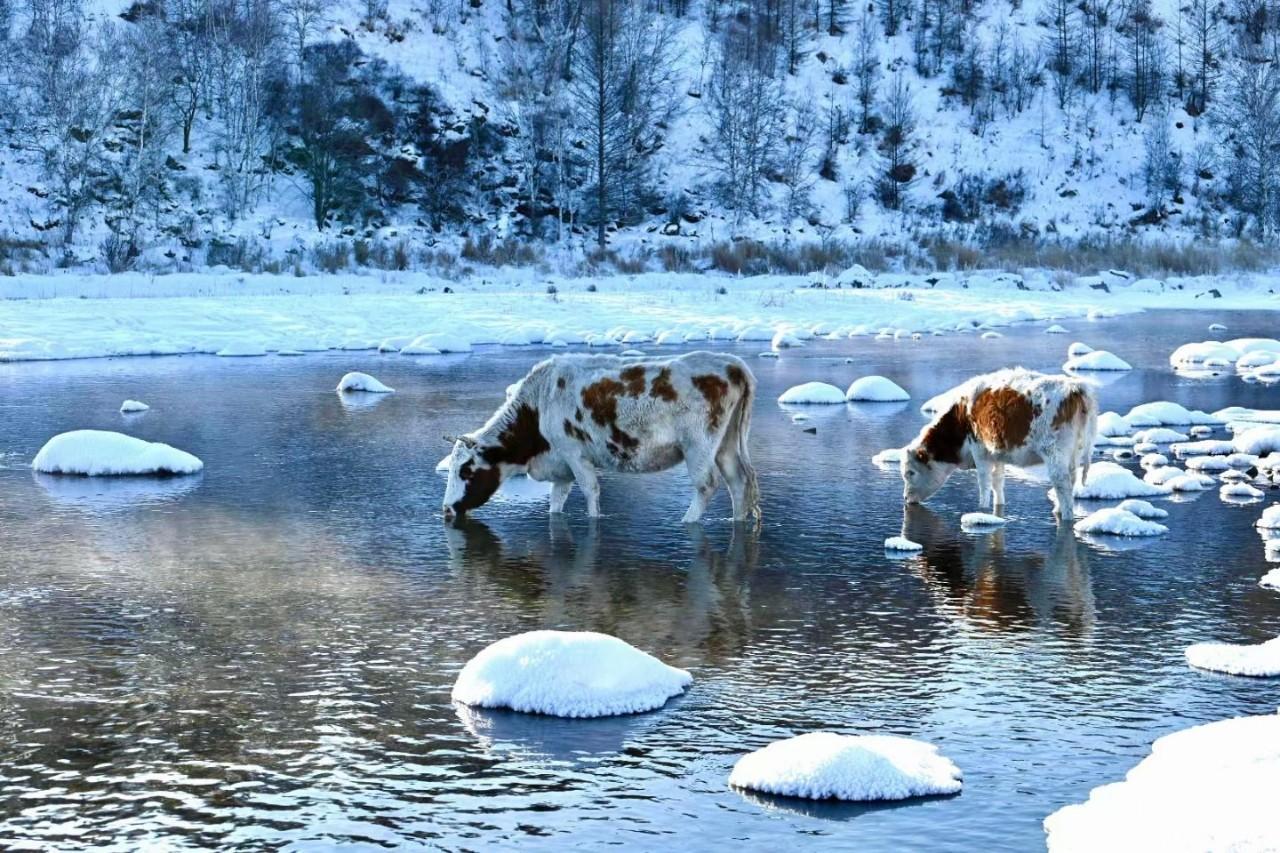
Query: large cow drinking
x=1011, y=417
x=575, y=415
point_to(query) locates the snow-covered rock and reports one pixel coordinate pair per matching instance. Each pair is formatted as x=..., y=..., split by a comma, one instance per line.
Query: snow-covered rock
x=1111, y=424
x=1203, y=447
x=1099, y=360
x=356, y=381
x=1109, y=481
x=242, y=350
x=441, y=342
x=1190, y=481
x=1055, y=329
x=1209, y=787
x=1211, y=464
x=981, y=521
x=568, y=674
x=1217, y=327
x=1260, y=659
x=1153, y=460
x=1257, y=441
x=1143, y=509
x=855, y=276
x=1114, y=521
x=756, y=333
x=876, y=389
x=1162, y=475
x=992, y=335
x=818, y=393
x=1270, y=519
x=98, y=453
x=901, y=543
x=785, y=339
x=1241, y=491
x=1078, y=349
x=130, y=407
x=825, y=765
x=1159, y=435
x=1165, y=413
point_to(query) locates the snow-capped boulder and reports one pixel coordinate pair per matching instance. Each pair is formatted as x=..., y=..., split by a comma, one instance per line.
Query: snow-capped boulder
x=876, y=389
x=1153, y=460
x=1109, y=481
x=1159, y=435
x=981, y=521
x=756, y=333
x=855, y=276
x=357, y=381
x=1259, y=358
x=812, y=393
x=1241, y=491
x=242, y=349
x=1209, y=787
x=1271, y=580
x=1114, y=521
x=1190, y=481
x=1055, y=329
x=785, y=339
x=901, y=543
x=1270, y=519
x=1143, y=509
x=1098, y=360
x=1210, y=464
x=98, y=453
x=1259, y=660
x=992, y=335
x=1162, y=475
x=1217, y=327
x=568, y=674
x=1204, y=447
x=1078, y=349
x=825, y=765
x=132, y=407
x=1257, y=441
x=1111, y=424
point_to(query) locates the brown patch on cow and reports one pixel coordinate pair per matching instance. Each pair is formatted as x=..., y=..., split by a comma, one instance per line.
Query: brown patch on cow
x=1074, y=405
x=737, y=377
x=600, y=398
x=576, y=432
x=715, y=390
x=633, y=378
x=622, y=439
x=946, y=436
x=1002, y=417
x=560, y=383
x=520, y=440
x=661, y=387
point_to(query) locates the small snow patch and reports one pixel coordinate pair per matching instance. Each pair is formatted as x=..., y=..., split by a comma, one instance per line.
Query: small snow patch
x=356, y=381
x=820, y=393
x=98, y=453
x=133, y=406
x=1055, y=329
x=1078, y=349
x=901, y=543
x=1099, y=360
x=981, y=521
x=1241, y=491
x=888, y=456
x=1260, y=660
x=1114, y=521
x=1271, y=580
x=1143, y=509
x=1270, y=519
x=876, y=389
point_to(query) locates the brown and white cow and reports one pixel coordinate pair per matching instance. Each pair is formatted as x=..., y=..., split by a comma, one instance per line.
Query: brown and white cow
x=1011, y=417
x=575, y=415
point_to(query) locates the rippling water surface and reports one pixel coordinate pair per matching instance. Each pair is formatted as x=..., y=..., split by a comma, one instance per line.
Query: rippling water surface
x=261, y=657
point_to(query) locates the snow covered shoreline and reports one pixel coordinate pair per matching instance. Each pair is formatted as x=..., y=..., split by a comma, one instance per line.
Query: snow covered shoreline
x=82, y=316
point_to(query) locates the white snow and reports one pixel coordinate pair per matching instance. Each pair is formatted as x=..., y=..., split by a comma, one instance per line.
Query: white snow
x=356, y=381
x=1211, y=464
x=1163, y=474
x=1153, y=460
x=1257, y=441
x=435, y=343
x=1112, y=424
x=1078, y=349
x=981, y=520
x=1242, y=491
x=887, y=457
x=825, y=765
x=785, y=339
x=1160, y=435
x=568, y=674
x=1203, y=447
x=1270, y=519
x=1109, y=481
x=241, y=349
x=1166, y=413
x=901, y=543
x=1055, y=329
x=1260, y=660
x=1209, y=787
x=1114, y=521
x=98, y=453
x=1100, y=360
x=1190, y=482
x=1191, y=355
x=876, y=389
x=1143, y=509
x=1217, y=327
x=133, y=406
x=1271, y=580
x=812, y=393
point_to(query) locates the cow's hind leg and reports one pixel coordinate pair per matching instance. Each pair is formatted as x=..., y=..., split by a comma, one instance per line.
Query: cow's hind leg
x=560, y=494
x=737, y=476
x=706, y=479
x=585, y=476
x=1062, y=479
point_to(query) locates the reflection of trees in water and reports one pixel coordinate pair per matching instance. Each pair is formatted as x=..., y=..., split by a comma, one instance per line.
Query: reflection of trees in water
x=978, y=579
x=561, y=576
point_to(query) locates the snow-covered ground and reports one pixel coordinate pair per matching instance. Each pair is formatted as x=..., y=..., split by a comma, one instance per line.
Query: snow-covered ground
x=75, y=316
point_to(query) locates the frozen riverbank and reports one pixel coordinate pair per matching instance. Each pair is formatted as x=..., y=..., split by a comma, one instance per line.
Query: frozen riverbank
x=72, y=316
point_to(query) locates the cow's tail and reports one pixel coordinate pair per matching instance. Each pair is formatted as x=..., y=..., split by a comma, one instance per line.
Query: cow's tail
x=739, y=432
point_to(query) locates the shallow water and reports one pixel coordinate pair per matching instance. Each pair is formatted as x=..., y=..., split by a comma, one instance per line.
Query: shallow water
x=261, y=656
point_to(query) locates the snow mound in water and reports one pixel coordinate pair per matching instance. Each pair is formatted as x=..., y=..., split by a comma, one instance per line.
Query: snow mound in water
x=436, y=343
x=1212, y=464
x=1097, y=360
x=825, y=765
x=356, y=381
x=1160, y=435
x=1241, y=491
x=1078, y=349
x=981, y=520
x=1203, y=447
x=1270, y=519
x=1162, y=475
x=1165, y=413
x=1055, y=329
x=1191, y=355
x=132, y=406
x=1110, y=424
x=888, y=456
x=568, y=674
x=1257, y=441
x=821, y=393
x=876, y=389
x=1271, y=580
x=1190, y=482
x=1209, y=787
x=901, y=543
x=1260, y=660
x=1143, y=509
x=241, y=350
x=1109, y=481
x=785, y=339
x=1114, y=521
x=98, y=453
x=1153, y=460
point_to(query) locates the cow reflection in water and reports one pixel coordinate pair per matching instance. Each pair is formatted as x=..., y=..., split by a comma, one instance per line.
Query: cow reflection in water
x=976, y=578
x=557, y=574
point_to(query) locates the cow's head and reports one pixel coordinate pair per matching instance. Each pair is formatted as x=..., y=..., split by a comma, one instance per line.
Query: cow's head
x=472, y=477
x=940, y=449
x=922, y=474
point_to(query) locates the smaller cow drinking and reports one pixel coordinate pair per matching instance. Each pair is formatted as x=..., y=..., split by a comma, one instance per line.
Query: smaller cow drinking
x=1011, y=417
x=575, y=415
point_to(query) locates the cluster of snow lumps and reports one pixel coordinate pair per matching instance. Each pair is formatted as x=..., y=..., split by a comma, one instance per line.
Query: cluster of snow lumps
x=902, y=544
x=568, y=674
x=357, y=381
x=1114, y=521
x=1163, y=413
x=133, y=407
x=876, y=389
x=981, y=521
x=1108, y=481
x=1261, y=660
x=1210, y=787
x=859, y=768
x=812, y=393
x=99, y=453
x=1098, y=360
x=1256, y=359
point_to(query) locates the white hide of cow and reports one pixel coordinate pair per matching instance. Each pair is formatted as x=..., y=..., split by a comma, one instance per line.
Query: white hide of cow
x=575, y=415
x=1011, y=417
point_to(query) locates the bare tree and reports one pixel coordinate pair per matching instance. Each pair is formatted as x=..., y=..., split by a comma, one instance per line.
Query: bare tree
x=897, y=143
x=866, y=67
x=744, y=104
x=1145, y=49
x=1062, y=46
x=1205, y=39
x=1251, y=121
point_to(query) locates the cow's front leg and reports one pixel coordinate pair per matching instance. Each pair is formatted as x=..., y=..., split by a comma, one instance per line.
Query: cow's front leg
x=982, y=467
x=560, y=494
x=997, y=486
x=1062, y=479
x=585, y=476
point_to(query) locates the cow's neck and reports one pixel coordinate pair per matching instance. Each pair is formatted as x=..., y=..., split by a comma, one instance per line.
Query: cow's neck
x=512, y=436
x=945, y=437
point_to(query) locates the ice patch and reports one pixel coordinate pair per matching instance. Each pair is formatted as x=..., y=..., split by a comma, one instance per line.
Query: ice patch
x=981, y=521
x=568, y=674
x=98, y=453
x=1114, y=521
x=825, y=765
x=901, y=543
x=876, y=389
x=129, y=407
x=356, y=381
x=1143, y=509
x=1261, y=660
x=821, y=393
x=1109, y=481
x=1099, y=360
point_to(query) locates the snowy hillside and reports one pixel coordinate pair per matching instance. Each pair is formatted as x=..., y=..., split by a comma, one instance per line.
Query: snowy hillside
x=301, y=136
